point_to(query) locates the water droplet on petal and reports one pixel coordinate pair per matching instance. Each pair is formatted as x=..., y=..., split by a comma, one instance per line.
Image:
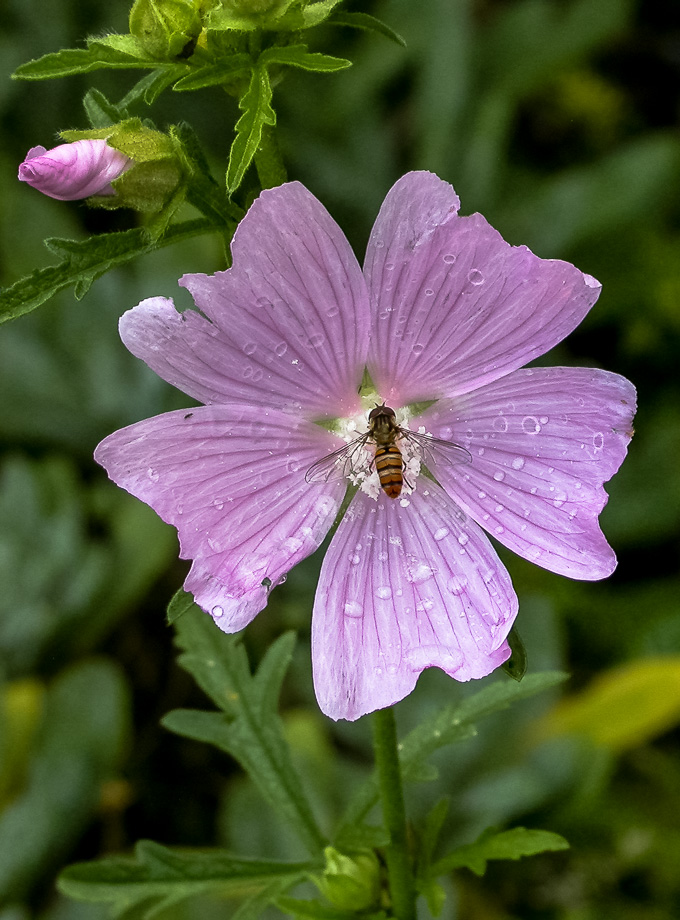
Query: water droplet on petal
x=500, y=423
x=441, y=533
x=499, y=475
x=457, y=584
x=429, y=292
x=449, y=258
x=463, y=539
x=418, y=349
x=353, y=609
x=544, y=420
x=281, y=349
x=384, y=592
x=315, y=341
x=518, y=463
x=263, y=302
x=355, y=560
x=217, y=611
x=475, y=276
x=530, y=424
x=598, y=441
x=418, y=572
x=249, y=348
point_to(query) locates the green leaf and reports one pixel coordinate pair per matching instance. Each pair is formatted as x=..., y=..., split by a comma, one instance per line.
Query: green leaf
x=159, y=877
x=248, y=727
x=257, y=112
x=214, y=74
x=299, y=56
x=451, y=724
x=318, y=911
x=367, y=23
x=512, y=844
x=80, y=745
x=86, y=261
x=151, y=85
x=100, y=53
x=100, y=111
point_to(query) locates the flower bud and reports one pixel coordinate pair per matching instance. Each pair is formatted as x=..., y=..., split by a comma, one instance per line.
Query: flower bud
x=72, y=171
x=350, y=882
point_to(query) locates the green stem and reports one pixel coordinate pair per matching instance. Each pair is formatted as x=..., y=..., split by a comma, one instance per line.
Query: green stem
x=400, y=875
x=268, y=160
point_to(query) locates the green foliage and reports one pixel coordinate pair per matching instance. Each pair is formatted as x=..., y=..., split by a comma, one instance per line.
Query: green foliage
x=80, y=744
x=257, y=112
x=86, y=260
x=512, y=844
x=248, y=726
x=159, y=877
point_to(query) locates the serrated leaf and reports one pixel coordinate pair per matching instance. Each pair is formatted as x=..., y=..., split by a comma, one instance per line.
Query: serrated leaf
x=299, y=56
x=449, y=725
x=86, y=261
x=158, y=877
x=214, y=74
x=80, y=60
x=367, y=23
x=257, y=112
x=248, y=727
x=512, y=844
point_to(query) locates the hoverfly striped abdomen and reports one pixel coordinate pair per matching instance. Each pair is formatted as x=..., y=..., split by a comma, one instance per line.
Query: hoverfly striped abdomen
x=389, y=465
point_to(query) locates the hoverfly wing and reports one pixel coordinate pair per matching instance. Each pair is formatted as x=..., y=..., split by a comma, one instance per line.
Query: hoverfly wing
x=434, y=449
x=340, y=463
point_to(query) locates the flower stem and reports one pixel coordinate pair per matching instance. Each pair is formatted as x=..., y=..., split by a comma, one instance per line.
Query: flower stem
x=400, y=875
x=268, y=160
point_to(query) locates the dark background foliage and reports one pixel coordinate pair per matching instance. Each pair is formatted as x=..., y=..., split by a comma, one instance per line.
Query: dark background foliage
x=558, y=119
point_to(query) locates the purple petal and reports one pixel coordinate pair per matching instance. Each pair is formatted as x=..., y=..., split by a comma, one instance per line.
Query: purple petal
x=454, y=306
x=291, y=316
x=231, y=480
x=72, y=171
x=543, y=441
x=403, y=589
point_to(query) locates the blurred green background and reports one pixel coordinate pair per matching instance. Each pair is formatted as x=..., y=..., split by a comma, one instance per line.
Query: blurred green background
x=558, y=119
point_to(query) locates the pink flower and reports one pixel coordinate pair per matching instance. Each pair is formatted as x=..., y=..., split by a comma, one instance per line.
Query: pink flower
x=444, y=310
x=72, y=171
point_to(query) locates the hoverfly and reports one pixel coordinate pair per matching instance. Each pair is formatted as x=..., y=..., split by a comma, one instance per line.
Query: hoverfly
x=388, y=460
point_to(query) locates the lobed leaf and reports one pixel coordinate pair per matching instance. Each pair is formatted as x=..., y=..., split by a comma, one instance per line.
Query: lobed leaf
x=98, y=54
x=248, y=726
x=85, y=261
x=257, y=112
x=299, y=56
x=512, y=844
x=159, y=877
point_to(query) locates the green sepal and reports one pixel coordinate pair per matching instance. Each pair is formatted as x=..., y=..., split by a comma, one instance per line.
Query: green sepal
x=350, y=881
x=248, y=726
x=299, y=56
x=367, y=23
x=86, y=261
x=512, y=844
x=518, y=662
x=159, y=877
x=165, y=27
x=257, y=112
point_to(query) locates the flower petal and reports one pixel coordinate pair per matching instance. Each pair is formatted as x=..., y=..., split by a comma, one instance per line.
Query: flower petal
x=454, y=306
x=231, y=480
x=543, y=441
x=76, y=170
x=291, y=316
x=403, y=589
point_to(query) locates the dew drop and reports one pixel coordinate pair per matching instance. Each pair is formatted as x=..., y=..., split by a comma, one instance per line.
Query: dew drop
x=249, y=348
x=353, y=609
x=530, y=424
x=499, y=475
x=544, y=420
x=153, y=475
x=499, y=508
x=475, y=276
x=217, y=611
x=481, y=495
x=315, y=341
x=457, y=584
x=263, y=302
x=379, y=244
x=499, y=529
x=598, y=441
x=441, y=533
x=384, y=592
x=518, y=463
x=418, y=572
x=463, y=539
x=218, y=503
x=332, y=311
x=418, y=349
x=429, y=292
x=500, y=423
x=404, y=502
x=382, y=556
x=281, y=349
x=354, y=559
x=449, y=258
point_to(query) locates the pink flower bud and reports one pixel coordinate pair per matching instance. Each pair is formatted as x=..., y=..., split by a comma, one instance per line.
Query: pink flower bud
x=73, y=171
